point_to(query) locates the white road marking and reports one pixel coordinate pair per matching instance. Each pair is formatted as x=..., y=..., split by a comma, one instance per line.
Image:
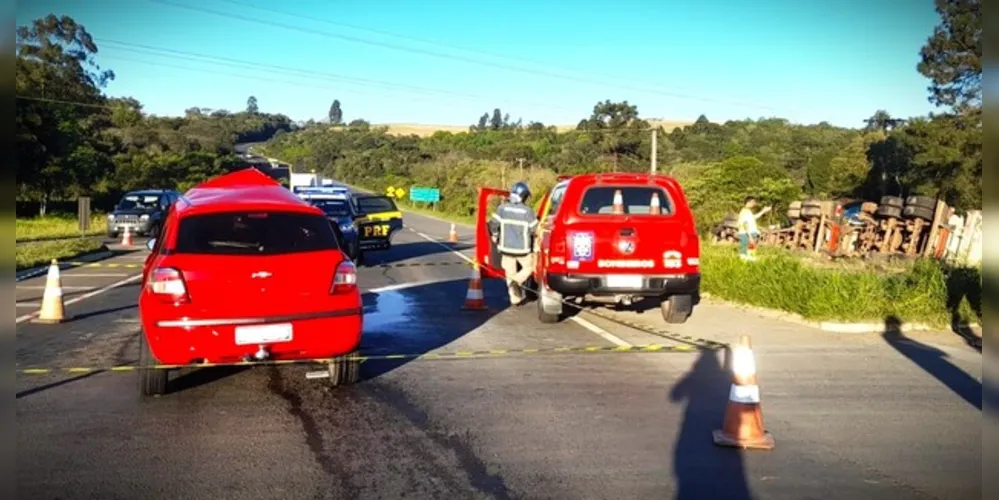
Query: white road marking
x=398, y=286
x=614, y=339
x=64, y=287
x=28, y=304
x=112, y=286
x=92, y=275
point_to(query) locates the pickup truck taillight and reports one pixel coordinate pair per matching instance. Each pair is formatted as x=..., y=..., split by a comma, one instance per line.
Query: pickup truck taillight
x=168, y=284
x=345, y=279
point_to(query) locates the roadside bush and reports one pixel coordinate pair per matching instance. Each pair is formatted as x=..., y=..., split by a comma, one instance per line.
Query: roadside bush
x=924, y=292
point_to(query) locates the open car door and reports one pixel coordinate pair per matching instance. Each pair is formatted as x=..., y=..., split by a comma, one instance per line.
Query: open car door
x=486, y=253
x=378, y=219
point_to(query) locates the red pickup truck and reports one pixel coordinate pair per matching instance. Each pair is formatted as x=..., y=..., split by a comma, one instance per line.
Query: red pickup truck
x=626, y=237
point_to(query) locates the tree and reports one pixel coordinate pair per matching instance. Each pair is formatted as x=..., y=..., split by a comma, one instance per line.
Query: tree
x=496, y=122
x=883, y=121
x=952, y=57
x=336, y=114
x=251, y=105
x=59, y=115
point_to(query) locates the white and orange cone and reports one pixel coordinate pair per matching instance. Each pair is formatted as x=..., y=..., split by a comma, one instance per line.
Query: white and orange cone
x=743, y=426
x=52, y=311
x=654, y=207
x=126, y=237
x=618, y=207
x=453, y=235
x=475, y=300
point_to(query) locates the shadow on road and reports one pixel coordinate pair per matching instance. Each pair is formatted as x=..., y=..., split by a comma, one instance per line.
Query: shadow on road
x=109, y=310
x=405, y=251
x=934, y=362
x=965, y=284
x=53, y=385
x=702, y=469
x=419, y=319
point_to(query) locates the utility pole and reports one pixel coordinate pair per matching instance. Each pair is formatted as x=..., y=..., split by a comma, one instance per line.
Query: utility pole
x=655, y=150
x=520, y=161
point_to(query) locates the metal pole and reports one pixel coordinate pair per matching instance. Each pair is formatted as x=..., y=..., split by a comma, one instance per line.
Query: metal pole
x=655, y=151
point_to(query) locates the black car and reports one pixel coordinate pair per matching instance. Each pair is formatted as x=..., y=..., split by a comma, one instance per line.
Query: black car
x=142, y=212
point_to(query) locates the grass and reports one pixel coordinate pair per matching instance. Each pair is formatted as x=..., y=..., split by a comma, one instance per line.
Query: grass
x=925, y=291
x=56, y=226
x=42, y=253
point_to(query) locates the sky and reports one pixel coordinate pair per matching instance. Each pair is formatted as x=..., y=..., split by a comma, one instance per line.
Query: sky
x=447, y=62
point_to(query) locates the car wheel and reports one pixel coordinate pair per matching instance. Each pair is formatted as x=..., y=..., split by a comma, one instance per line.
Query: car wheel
x=152, y=381
x=543, y=315
x=345, y=370
x=677, y=308
x=112, y=235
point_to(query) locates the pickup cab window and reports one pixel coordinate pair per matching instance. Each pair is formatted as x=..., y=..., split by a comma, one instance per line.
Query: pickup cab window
x=599, y=200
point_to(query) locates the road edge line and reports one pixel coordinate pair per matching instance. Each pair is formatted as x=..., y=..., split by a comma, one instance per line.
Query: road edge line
x=74, y=300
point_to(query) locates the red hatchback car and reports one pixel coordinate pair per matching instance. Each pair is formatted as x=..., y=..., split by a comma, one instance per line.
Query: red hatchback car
x=244, y=270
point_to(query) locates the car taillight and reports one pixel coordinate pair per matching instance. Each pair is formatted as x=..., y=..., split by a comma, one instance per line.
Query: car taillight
x=168, y=284
x=345, y=279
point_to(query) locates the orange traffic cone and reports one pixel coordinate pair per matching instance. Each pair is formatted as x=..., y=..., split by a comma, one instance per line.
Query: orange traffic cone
x=126, y=238
x=743, y=427
x=474, y=299
x=453, y=235
x=52, y=310
x=618, y=207
x=654, y=207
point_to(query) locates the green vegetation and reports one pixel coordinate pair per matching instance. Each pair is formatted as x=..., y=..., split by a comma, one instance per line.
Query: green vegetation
x=71, y=140
x=923, y=292
x=53, y=227
x=41, y=253
x=718, y=163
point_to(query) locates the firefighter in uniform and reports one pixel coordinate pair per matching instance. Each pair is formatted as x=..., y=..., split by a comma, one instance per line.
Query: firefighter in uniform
x=512, y=228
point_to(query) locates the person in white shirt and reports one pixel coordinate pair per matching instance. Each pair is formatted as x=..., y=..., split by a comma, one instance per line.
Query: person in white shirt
x=749, y=233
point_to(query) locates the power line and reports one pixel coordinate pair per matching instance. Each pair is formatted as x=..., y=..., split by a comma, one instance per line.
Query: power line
x=391, y=46
x=242, y=64
x=426, y=41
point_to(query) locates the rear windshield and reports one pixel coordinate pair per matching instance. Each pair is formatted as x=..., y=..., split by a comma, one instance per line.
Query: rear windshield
x=599, y=200
x=139, y=202
x=375, y=205
x=254, y=233
x=332, y=208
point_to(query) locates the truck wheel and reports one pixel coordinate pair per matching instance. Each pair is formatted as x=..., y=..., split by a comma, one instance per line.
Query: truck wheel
x=152, y=381
x=677, y=308
x=345, y=370
x=548, y=314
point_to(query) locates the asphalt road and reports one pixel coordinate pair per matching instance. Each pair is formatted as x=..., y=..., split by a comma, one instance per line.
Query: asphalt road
x=853, y=417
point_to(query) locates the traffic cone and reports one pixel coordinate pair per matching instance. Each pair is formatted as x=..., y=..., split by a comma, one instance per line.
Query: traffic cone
x=453, y=235
x=743, y=427
x=654, y=207
x=52, y=310
x=618, y=207
x=474, y=299
x=126, y=238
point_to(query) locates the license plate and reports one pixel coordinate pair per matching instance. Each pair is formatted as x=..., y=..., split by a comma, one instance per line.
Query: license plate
x=624, y=281
x=263, y=334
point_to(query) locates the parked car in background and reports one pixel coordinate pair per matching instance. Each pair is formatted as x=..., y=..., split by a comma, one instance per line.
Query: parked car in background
x=142, y=212
x=245, y=270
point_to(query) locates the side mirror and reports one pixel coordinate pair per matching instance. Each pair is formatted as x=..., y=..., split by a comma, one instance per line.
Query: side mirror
x=151, y=243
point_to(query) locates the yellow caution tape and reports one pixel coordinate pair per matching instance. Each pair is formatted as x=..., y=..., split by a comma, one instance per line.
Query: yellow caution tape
x=491, y=353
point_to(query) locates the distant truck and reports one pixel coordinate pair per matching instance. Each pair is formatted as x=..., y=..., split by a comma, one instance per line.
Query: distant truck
x=298, y=181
